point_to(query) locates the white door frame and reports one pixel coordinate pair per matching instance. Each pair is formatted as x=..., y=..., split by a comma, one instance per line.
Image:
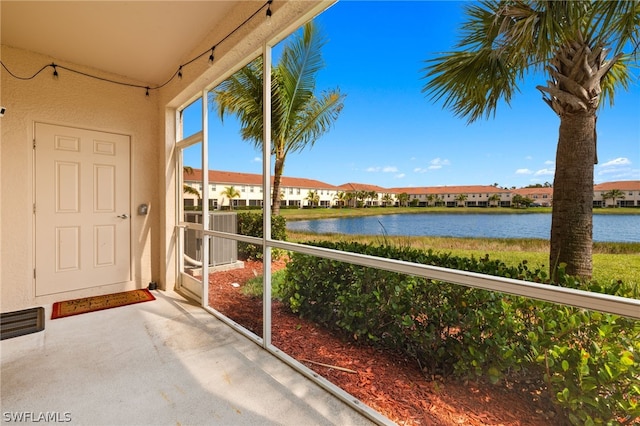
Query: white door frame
x=198, y=290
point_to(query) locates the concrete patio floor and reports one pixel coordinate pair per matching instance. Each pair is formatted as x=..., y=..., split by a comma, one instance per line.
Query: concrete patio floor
x=165, y=362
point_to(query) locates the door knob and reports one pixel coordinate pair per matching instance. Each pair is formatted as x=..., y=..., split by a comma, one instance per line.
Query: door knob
x=123, y=216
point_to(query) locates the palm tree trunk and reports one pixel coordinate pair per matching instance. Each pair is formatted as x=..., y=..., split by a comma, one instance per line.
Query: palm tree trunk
x=277, y=177
x=572, y=220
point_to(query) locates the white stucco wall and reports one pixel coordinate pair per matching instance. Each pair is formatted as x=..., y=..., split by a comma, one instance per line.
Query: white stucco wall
x=75, y=101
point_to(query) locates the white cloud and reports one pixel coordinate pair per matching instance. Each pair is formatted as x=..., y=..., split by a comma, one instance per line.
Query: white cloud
x=438, y=160
x=549, y=162
x=528, y=157
x=620, y=161
x=400, y=176
x=438, y=163
x=435, y=164
x=256, y=160
x=523, y=172
x=617, y=169
x=625, y=173
x=542, y=172
x=385, y=169
x=621, y=173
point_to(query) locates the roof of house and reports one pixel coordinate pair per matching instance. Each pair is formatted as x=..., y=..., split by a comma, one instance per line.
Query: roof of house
x=461, y=189
x=361, y=187
x=622, y=185
x=525, y=192
x=237, y=178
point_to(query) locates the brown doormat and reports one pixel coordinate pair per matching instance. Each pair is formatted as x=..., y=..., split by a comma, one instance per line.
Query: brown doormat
x=99, y=303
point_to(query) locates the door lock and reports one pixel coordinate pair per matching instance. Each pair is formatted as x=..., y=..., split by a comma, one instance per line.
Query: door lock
x=123, y=216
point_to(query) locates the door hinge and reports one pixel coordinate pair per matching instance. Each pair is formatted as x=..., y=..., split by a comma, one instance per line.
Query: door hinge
x=34, y=143
x=34, y=208
x=34, y=273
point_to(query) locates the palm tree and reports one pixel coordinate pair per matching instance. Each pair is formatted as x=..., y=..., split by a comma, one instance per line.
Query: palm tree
x=431, y=199
x=521, y=201
x=403, y=199
x=188, y=189
x=504, y=43
x=494, y=200
x=230, y=192
x=313, y=197
x=373, y=197
x=517, y=200
x=349, y=197
x=341, y=198
x=461, y=198
x=614, y=194
x=387, y=199
x=298, y=116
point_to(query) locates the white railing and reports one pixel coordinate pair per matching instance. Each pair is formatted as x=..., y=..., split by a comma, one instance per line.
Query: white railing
x=549, y=293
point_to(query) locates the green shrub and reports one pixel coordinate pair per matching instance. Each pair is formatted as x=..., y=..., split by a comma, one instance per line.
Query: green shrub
x=251, y=224
x=590, y=361
x=253, y=287
x=247, y=208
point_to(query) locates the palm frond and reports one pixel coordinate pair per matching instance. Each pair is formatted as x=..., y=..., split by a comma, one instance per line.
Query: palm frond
x=187, y=189
x=301, y=61
x=241, y=95
x=619, y=76
x=298, y=117
x=486, y=66
x=315, y=120
x=502, y=41
x=471, y=84
x=614, y=23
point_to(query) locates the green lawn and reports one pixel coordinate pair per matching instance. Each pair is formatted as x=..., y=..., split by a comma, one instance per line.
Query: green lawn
x=606, y=267
x=611, y=261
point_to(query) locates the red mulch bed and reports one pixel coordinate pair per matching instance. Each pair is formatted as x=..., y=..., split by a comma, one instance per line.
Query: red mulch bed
x=390, y=383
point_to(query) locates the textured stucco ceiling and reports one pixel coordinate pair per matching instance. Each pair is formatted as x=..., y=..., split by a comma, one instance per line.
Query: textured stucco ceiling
x=142, y=40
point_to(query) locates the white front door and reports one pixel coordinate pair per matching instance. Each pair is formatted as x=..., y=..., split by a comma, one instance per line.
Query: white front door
x=82, y=209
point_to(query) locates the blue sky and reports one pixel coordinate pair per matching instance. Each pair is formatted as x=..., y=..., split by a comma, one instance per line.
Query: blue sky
x=390, y=134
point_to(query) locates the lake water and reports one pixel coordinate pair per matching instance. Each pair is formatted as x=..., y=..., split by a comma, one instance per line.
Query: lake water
x=606, y=227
